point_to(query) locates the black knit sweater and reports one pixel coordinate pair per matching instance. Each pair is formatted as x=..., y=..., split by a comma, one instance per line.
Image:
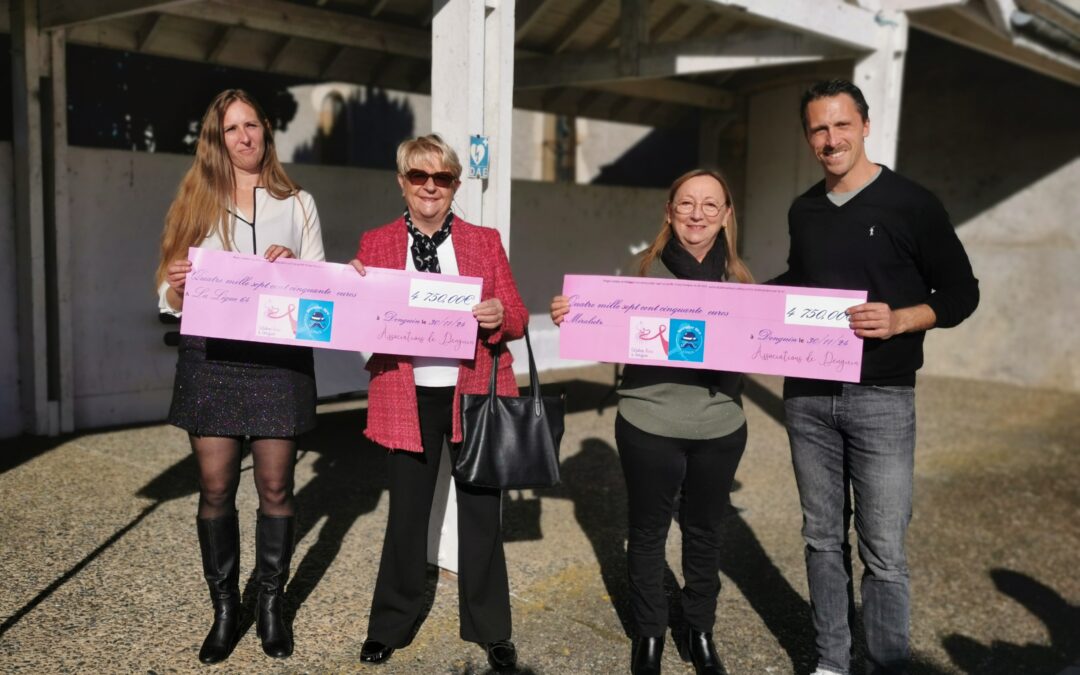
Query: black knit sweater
x=893, y=240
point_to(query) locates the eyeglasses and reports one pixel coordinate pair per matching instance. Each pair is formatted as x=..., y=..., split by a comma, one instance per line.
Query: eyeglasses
x=710, y=209
x=443, y=179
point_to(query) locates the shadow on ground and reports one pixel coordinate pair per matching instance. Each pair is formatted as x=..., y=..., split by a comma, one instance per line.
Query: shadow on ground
x=1062, y=622
x=592, y=479
x=349, y=477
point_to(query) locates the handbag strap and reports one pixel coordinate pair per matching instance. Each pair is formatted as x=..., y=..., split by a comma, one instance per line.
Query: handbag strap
x=534, y=378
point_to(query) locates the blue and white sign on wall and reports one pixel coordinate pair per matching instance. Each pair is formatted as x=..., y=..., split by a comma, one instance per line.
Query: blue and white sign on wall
x=478, y=157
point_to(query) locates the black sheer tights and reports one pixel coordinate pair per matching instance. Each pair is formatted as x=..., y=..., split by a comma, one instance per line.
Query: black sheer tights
x=219, y=474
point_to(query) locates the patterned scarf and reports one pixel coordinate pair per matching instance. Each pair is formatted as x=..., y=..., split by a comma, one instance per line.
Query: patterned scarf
x=424, y=249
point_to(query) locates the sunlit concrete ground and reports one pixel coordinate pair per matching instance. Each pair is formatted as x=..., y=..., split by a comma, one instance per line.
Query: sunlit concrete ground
x=99, y=567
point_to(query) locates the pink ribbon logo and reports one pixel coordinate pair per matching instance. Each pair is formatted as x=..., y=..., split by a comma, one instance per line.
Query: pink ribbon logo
x=660, y=333
x=273, y=312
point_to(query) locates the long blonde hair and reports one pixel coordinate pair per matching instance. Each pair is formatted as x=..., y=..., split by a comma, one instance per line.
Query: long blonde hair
x=736, y=268
x=206, y=191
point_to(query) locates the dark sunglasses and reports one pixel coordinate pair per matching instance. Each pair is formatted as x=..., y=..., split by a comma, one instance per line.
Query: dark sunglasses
x=443, y=179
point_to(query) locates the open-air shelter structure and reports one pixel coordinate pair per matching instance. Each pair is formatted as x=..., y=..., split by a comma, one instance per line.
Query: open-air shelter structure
x=656, y=62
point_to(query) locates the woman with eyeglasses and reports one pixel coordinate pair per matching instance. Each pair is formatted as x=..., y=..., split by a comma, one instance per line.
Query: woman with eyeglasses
x=237, y=197
x=680, y=434
x=414, y=405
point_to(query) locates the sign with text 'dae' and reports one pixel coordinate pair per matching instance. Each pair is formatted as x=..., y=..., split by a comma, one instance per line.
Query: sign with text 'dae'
x=479, y=157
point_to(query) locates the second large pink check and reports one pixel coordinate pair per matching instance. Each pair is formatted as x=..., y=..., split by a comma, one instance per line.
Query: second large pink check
x=320, y=304
x=749, y=328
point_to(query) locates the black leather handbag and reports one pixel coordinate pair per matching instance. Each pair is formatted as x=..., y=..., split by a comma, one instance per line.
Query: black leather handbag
x=510, y=442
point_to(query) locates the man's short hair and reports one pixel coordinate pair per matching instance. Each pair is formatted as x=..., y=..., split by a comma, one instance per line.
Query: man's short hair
x=830, y=88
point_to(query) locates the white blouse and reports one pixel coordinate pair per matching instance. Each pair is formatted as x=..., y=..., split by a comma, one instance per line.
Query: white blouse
x=291, y=222
x=432, y=371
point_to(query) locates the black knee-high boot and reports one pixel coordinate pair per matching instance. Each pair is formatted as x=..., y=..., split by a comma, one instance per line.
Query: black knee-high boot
x=273, y=553
x=219, y=542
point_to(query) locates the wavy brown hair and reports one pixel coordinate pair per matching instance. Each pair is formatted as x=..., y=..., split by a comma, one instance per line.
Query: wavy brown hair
x=736, y=269
x=206, y=191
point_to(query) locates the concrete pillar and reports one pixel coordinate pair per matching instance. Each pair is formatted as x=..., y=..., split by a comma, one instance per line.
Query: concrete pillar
x=779, y=166
x=499, y=31
x=710, y=131
x=58, y=212
x=472, y=86
x=29, y=216
x=472, y=77
x=880, y=75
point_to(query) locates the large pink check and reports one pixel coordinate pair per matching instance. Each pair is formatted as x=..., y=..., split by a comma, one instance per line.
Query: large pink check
x=748, y=328
x=319, y=304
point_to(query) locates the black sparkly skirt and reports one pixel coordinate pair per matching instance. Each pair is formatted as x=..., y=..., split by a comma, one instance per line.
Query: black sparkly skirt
x=238, y=388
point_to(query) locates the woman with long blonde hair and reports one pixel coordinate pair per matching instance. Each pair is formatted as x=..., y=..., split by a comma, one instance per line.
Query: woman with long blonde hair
x=237, y=197
x=680, y=434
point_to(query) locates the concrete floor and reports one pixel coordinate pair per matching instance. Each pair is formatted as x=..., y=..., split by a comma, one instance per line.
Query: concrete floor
x=99, y=568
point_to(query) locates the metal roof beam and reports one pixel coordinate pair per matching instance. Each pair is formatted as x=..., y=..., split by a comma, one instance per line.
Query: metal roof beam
x=1000, y=12
x=151, y=28
x=633, y=35
x=526, y=13
x=279, y=54
x=605, y=107
x=919, y=5
x=219, y=43
x=672, y=91
x=747, y=50
x=286, y=18
x=966, y=29
x=568, y=32
x=57, y=13
x=832, y=20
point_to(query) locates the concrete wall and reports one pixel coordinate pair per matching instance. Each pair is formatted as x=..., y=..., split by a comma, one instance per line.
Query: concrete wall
x=601, y=143
x=778, y=167
x=1026, y=252
x=124, y=371
x=10, y=422
x=400, y=114
x=562, y=229
x=1000, y=146
x=558, y=229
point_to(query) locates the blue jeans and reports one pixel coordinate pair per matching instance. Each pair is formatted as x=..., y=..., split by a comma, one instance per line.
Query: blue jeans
x=861, y=440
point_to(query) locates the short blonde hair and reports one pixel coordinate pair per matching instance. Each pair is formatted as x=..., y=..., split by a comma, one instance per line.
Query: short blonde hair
x=432, y=148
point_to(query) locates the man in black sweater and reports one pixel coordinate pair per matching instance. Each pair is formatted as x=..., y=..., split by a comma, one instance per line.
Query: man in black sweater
x=865, y=227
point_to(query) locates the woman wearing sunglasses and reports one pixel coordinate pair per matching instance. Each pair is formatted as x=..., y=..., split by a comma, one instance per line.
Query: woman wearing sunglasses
x=413, y=406
x=680, y=435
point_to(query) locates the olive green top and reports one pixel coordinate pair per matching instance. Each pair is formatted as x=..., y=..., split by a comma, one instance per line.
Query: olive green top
x=680, y=402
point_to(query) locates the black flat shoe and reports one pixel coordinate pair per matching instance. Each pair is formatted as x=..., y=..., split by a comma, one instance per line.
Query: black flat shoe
x=374, y=651
x=645, y=655
x=502, y=655
x=703, y=653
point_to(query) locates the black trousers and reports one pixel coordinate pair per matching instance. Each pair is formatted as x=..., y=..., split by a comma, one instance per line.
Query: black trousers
x=657, y=469
x=484, y=592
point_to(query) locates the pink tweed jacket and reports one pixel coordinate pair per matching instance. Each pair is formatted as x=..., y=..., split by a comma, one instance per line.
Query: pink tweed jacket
x=393, y=419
